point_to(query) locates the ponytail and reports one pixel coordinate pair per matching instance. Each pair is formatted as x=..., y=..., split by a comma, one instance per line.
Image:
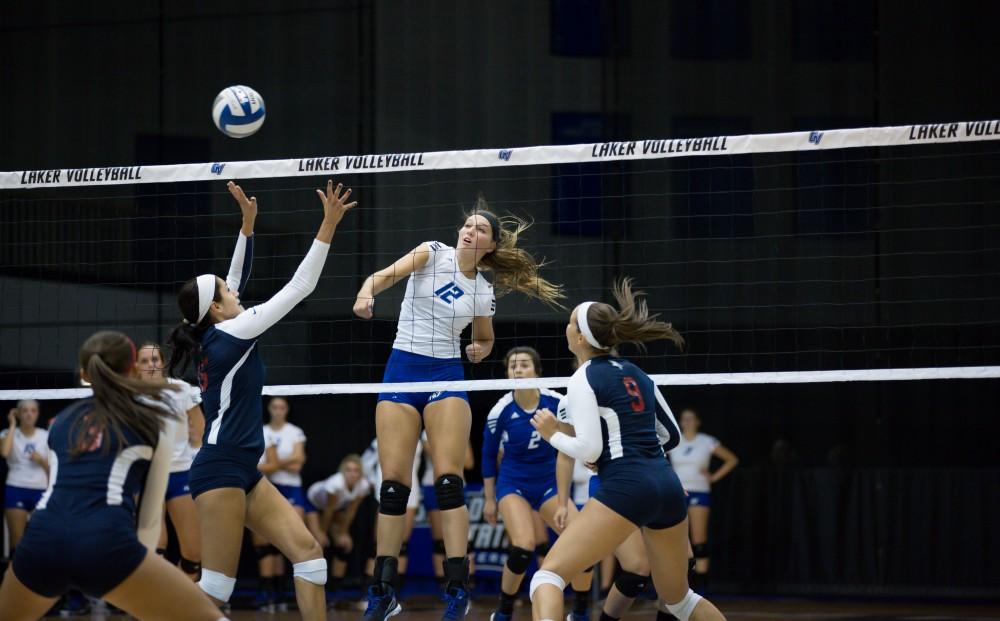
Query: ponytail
x=630, y=322
x=107, y=358
x=185, y=339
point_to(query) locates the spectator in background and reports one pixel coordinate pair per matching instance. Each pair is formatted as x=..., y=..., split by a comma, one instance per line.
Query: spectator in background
x=691, y=460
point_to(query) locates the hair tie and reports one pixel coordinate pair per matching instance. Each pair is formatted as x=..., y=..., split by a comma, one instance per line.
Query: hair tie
x=581, y=320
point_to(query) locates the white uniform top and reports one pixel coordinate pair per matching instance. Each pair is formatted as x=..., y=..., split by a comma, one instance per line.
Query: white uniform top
x=373, y=472
x=22, y=472
x=188, y=397
x=320, y=492
x=690, y=461
x=284, y=440
x=439, y=304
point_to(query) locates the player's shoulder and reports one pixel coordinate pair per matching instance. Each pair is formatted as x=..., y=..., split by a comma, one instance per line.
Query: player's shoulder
x=503, y=405
x=549, y=398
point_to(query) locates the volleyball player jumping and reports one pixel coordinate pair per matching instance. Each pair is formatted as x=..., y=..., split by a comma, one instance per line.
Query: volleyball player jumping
x=445, y=292
x=221, y=337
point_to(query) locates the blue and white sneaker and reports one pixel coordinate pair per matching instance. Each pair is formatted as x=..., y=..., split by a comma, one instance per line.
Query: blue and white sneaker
x=499, y=616
x=457, y=604
x=381, y=606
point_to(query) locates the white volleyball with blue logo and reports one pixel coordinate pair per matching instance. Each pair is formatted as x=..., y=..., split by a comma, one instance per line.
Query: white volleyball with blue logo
x=238, y=111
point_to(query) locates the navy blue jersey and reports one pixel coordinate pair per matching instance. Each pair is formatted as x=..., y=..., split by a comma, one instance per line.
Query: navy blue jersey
x=616, y=409
x=231, y=372
x=525, y=453
x=106, y=474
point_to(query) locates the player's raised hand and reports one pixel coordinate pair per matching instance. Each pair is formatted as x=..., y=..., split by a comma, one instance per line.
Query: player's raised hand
x=248, y=206
x=335, y=203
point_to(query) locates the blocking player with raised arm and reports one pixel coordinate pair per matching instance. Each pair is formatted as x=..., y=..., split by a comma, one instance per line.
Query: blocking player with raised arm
x=620, y=421
x=446, y=291
x=220, y=336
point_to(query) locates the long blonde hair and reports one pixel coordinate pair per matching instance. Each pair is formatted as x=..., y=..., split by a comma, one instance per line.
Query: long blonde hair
x=630, y=322
x=514, y=269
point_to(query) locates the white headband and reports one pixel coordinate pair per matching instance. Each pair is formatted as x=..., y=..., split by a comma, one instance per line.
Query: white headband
x=206, y=293
x=581, y=320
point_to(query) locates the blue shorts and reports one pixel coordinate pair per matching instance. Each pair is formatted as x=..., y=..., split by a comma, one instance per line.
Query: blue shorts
x=430, y=498
x=646, y=492
x=21, y=498
x=96, y=555
x=217, y=466
x=294, y=494
x=404, y=366
x=536, y=492
x=699, y=499
x=177, y=484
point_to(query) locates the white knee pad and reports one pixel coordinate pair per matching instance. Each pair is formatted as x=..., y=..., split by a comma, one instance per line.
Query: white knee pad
x=683, y=609
x=313, y=571
x=217, y=585
x=545, y=577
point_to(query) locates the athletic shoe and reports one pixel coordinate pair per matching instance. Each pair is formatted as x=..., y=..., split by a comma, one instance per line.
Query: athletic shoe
x=381, y=606
x=578, y=616
x=456, y=604
x=499, y=616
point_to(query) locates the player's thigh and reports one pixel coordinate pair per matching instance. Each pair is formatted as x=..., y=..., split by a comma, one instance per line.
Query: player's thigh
x=698, y=518
x=448, y=422
x=667, y=551
x=158, y=590
x=631, y=554
x=517, y=521
x=184, y=515
x=221, y=514
x=397, y=427
x=270, y=515
x=578, y=548
x=19, y=603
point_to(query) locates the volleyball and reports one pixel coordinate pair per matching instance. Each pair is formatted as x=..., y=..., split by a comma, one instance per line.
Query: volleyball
x=238, y=111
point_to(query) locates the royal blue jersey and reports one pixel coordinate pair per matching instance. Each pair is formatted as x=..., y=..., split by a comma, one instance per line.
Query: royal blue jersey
x=104, y=476
x=525, y=453
x=617, y=412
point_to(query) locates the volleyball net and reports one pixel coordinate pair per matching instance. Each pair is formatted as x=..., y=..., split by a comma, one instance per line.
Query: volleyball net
x=819, y=256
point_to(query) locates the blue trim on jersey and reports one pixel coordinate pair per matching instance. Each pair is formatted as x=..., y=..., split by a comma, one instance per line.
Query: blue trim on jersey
x=594, y=485
x=177, y=484
x=292, y=493
x=21, y=498
x=699, y=499
x=404, y=366
x=526, y=455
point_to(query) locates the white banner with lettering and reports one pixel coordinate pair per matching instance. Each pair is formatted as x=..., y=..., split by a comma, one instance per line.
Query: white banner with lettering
x=934, y=133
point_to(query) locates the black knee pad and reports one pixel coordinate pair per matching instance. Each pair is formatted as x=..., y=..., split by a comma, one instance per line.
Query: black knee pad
x=700, y=550
x=189, y=566
x=262, y=551
x=456, y=569
x=439, y=546
x=450, y=491
x=518, y=559
x=542, y=549
x=341, y=554
x=403, y=547
x=161, y=551
x=630, y=584
x=393, y=497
